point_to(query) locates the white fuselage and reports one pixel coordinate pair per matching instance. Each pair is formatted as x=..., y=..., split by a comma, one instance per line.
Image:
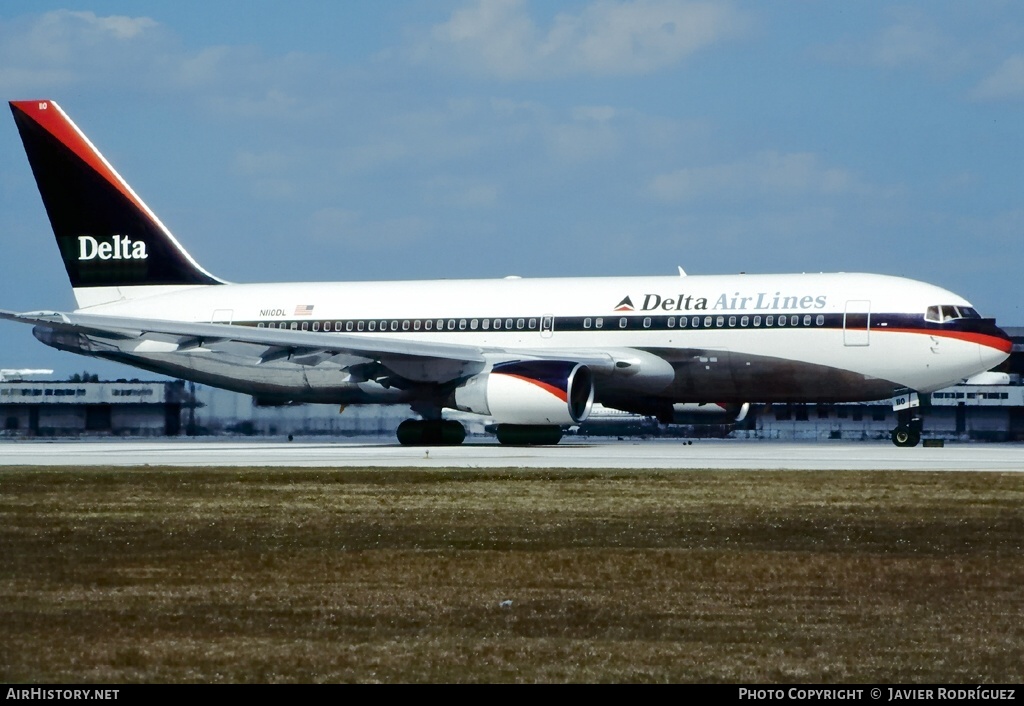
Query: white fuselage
x=800, y=337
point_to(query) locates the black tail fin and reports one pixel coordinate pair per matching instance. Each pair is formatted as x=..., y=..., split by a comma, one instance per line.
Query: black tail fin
x=107, y=236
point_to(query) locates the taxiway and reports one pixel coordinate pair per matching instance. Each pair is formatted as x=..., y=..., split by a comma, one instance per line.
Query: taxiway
x=574, y=453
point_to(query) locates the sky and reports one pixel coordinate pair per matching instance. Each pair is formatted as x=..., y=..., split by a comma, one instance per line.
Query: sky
x=422, y=139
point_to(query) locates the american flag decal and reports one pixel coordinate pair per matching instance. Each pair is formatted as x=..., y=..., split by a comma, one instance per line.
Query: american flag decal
x=304, y=310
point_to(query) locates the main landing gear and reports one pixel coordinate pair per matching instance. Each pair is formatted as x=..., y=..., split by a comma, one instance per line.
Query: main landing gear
x=528, y=434
x=441, y=432
x=430, y=432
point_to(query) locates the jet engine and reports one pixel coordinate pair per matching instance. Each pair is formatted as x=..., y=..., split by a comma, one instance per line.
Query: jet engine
x=530, y=392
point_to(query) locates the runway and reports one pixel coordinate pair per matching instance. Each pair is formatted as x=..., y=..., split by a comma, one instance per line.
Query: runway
x=572, y=453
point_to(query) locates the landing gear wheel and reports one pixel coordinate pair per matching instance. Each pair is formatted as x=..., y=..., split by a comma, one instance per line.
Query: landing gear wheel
x=905, y=436
x=430, y=432
x=528, y=435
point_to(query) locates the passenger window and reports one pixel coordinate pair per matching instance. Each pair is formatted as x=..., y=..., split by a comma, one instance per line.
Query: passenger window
x=622, y=322
x=647, y=322
x=473, y=324
x=807, y=319
x=485, y=324
x=451, y=324
x=294, y=326
x=519, y=324
x=416, y=325
x=599, y=322
x=373, y=326
x=305, y=325
x=360, y=326
x=462, y=324
x=769, y=320
x=732, y=321
x=744, y=321
x=260, y=325
x=707, y=322
x=586, y=323
x=508, y=324
x=682, y=321
x=757, y=322
x=405, y=325
x=316, y=326
x=821, y=320
x=671, y=322
x=532, y=324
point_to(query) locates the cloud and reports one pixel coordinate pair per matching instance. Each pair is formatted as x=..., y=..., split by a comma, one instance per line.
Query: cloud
x=1005, y=82
x=499, y=38
x=767, y=173
x=909, y=41
x=57, y=48
x=63, y=48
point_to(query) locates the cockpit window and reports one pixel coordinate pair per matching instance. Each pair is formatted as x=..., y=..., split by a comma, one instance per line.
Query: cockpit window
x=940, y=314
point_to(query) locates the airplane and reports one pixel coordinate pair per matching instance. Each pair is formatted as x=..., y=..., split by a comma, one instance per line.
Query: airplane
x=532, y=354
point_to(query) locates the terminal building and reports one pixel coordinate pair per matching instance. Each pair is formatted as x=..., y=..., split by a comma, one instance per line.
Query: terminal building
x=123, y=408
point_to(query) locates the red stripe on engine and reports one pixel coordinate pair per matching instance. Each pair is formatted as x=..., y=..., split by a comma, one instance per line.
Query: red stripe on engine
x=52, y=119
x=557, y=392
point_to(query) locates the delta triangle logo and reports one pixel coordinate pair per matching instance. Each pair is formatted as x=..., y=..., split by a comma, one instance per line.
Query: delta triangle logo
x=625, y=305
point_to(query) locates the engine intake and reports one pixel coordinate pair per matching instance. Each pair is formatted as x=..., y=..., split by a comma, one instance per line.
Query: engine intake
x=530, y=392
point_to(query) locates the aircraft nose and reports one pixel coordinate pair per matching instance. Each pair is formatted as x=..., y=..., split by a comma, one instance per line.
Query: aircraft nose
x=994, y=345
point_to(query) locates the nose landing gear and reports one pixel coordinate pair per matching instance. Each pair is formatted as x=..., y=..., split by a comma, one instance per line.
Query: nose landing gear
x=906, y=435
x=908, y=420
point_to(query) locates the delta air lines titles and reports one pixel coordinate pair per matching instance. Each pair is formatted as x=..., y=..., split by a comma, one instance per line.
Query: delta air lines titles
x=725, y=302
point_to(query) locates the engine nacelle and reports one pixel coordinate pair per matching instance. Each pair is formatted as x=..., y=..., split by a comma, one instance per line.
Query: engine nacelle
x=530, y=392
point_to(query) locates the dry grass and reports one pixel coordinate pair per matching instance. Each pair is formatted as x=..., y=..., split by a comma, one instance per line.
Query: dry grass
x=227, y=575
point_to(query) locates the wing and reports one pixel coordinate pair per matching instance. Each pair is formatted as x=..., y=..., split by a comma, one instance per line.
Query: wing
x=418, y=361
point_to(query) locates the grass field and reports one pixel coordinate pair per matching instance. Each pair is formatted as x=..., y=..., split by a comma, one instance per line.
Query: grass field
x=285, y=575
